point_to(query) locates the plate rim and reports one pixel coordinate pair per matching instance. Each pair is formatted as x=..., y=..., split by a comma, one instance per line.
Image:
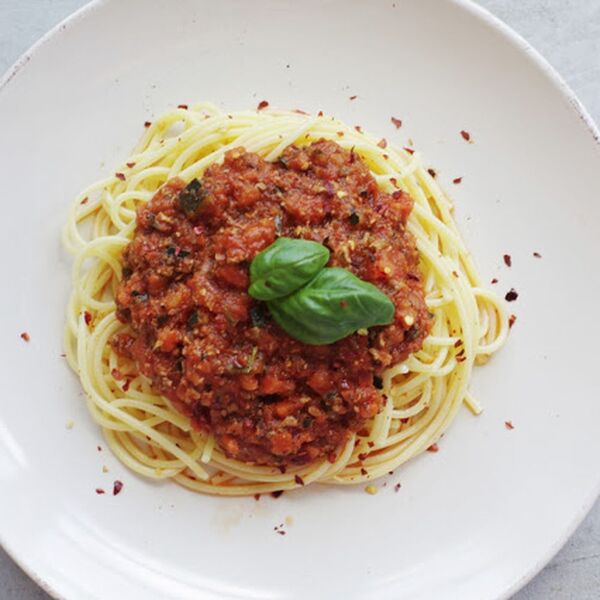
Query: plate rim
x=516, y=40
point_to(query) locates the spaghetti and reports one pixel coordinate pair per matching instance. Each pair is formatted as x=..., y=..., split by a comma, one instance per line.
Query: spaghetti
x=423, y=393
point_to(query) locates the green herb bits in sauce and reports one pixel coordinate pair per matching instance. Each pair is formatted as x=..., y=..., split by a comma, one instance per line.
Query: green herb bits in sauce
x=315, y=304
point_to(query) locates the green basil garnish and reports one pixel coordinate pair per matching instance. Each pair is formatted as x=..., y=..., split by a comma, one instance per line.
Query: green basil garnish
x=332, y=306
x=285, y=266
x=312, y=303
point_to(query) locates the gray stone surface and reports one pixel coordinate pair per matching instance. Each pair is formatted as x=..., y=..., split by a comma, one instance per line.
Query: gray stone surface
x=567, y=33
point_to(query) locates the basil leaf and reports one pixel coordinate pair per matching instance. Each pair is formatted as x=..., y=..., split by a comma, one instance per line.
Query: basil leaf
x=285, y=266
x=331, y=307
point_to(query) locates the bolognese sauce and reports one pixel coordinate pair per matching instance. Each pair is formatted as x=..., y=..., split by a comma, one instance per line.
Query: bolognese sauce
x=215, y=352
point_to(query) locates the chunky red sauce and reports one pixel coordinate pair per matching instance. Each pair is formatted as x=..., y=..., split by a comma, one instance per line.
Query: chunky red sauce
x=214, y=352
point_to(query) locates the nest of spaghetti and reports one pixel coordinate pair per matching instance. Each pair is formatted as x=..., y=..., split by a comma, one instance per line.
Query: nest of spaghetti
x=191, y=379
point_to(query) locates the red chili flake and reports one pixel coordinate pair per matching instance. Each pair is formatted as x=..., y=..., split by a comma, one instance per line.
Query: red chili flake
x=25, y=336
x=126, y=385
x=357, y=127
x=494, y=281
x=281, y=532
x=397, y=195
x=509, y=425
x=282, y=468
x=457, y=180
x=385, y=157
x=537, y=255
x=147, y=124
x=363, y=471
x=300, y=111
x=353, y=97
x=460, y=359
x=87, y=317
x=363, y=455
x=262, y=104
x=257, y=497
x=511, y=295
x=455, y=274
x=397, y=122
x=390, y=472
x=130, y=165
x=397, y=487
x=320, y=113
x=465, y=135
x=340, y=133
x=409, y=150
x=432, y=172
x=344, y=304
x=298, y=480
x=117, y=374
x=117, y=487
x=370, y=444
x=394, y=181
x=405, y=420
x=507, y=260
x=184, y=106
x=433, y=448
x=120, y=176
x=99, y=448
x=382, y=143
x=84, y=201
x=511, y=320
x=276, y=493
x=457, y=343
x=100, y=491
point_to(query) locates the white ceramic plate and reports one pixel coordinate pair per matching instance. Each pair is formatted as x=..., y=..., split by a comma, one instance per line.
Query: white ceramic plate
x=474, y=521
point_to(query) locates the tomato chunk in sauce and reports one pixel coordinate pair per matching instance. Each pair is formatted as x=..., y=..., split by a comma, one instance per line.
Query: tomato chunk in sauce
x=215, y=352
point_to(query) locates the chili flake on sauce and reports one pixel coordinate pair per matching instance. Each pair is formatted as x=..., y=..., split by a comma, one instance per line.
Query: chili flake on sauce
x=215, y=352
